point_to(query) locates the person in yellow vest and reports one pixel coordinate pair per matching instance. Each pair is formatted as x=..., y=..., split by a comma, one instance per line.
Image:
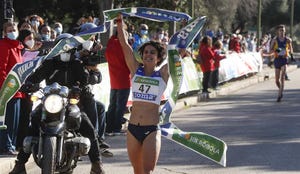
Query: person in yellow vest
x=281, y=47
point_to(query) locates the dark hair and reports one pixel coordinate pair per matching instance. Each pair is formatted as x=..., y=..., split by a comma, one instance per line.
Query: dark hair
x=22, y=21
x=161, y=51
x=280, y=26
x=23, y=34
x=42, y=26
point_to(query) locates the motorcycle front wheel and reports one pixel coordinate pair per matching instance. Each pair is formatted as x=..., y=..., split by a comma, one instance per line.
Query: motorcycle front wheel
x=49, y=155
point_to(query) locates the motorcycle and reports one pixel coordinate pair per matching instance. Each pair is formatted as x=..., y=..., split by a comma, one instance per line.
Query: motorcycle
x=59, y=146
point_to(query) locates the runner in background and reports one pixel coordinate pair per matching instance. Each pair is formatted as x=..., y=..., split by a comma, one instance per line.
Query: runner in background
x=281, y=46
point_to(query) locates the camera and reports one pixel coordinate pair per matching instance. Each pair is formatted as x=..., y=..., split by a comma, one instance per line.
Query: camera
x=91, y=59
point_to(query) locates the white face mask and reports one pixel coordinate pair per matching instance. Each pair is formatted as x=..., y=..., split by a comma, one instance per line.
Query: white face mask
x=161, y=36
x=65, y=57
x=30, y=43
x=12, y=35
x=35, y=23
x=88, y=45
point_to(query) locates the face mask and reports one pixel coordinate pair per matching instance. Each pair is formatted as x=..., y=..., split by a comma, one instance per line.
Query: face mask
x=161, y=36
x=12, y=35
x=46, y=37
x=58, y=30
x=88, y=45
x=35, y=23
x=30, y=43
x=144, y=32
x=65, y=57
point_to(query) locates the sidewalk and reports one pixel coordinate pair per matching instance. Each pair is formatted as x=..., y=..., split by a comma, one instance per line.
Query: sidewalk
x=7, y=163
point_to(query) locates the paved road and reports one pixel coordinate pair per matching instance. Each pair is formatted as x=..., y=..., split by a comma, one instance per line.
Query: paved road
x=263, y=136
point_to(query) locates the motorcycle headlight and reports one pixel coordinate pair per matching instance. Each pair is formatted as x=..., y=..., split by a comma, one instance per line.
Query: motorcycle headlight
x=53, y=103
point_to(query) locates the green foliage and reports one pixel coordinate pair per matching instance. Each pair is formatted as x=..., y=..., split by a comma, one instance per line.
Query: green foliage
x=226, y=14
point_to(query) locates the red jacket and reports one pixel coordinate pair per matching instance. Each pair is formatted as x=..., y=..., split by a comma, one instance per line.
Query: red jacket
x=118, y=70
x=218, y=57
x=234, y=45
x=10, y=54
x=207, y=57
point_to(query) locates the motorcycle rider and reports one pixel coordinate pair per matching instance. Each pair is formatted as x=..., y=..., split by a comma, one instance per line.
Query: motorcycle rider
x=69, y=69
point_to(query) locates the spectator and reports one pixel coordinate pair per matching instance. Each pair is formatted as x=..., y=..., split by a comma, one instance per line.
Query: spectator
x=243, y=44
x=24, y=24
x=45, y=38
x=58, y=28
x=219, y=55
x=45, y=32
x=36, y=21
x=120, y=85
x=209, y=32
x=225, y=42
x=53, y=34
x=10, y=55
x=265, y=49
x=219, y=34
x=141, y=37
x=234, y=43
x=251, y=43
x=131, y=32
x=159, y=35
x=26, y=37
x=104, y=147
x=207, y=61
x=166, y=39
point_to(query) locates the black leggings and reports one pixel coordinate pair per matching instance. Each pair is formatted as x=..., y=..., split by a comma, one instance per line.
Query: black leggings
x=205, y=81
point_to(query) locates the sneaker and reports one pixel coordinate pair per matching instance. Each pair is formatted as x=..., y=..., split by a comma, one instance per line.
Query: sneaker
x=279, y=98
x=104, y=145
x=106, y=153
x=217, y=88
x=124, y=120
x=109, y=134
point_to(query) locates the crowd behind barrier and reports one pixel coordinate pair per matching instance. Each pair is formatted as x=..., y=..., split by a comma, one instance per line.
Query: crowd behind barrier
x=234, y=66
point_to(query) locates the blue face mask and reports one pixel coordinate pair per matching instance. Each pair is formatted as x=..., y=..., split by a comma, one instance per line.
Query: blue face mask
x=45, y=37
x=58, y=30
x=144, y=32
x=12, y=35
x=35, y=23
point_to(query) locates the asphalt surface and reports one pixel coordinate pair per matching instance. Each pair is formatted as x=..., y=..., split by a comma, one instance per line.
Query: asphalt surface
x=171, y=158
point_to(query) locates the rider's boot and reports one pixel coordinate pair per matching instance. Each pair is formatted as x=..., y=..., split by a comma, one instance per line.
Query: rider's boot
x=97, y=168
x=19, y=168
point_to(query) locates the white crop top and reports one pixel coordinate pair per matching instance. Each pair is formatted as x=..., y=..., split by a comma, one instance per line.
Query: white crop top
x=147, y=89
